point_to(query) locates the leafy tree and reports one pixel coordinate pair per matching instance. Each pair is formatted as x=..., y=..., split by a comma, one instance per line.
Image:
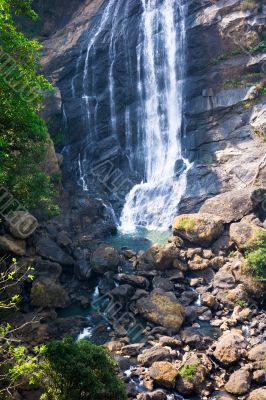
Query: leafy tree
x=23, y=134
x=79, y=371
x=16, y=363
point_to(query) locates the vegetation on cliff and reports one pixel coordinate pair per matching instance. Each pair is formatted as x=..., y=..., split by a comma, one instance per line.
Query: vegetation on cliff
x=23, y=134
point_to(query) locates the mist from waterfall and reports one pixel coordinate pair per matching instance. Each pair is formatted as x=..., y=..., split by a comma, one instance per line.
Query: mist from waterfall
x=154, y=202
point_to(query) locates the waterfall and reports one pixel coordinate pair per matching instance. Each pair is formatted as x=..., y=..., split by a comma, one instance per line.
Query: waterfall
x=140, y=96
x=154, y=202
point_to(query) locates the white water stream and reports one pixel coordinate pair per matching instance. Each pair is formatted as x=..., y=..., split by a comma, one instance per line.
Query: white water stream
x=154, y=202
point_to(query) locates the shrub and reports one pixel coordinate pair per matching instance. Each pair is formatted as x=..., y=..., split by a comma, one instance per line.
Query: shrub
x=188, y=371
x=256, y=257
x=79, y=371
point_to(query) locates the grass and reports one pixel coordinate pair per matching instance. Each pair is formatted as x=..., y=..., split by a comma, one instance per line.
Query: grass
x=188, y=371
x=225, y=56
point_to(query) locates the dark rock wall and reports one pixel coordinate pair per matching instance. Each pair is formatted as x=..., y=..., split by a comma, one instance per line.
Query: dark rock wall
x=223, y=110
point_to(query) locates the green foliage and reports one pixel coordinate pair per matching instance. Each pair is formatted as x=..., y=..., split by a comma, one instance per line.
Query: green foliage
x=23, y=133
x=186, y=223
x=225, y=56
x=58, y=138
x=259, y=48
x=242, y=303
x=188, y=371
x=17, y=364
x=256, y=257
x=79, y=371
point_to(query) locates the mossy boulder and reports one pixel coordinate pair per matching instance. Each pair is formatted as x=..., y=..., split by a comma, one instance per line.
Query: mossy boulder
x=245, y=234
x=200, y=229
x=192, y=375
x=49, y=294
x=162, y=309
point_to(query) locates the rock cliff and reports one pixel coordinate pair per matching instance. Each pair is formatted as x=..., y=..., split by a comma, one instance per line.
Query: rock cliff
x=224, y=115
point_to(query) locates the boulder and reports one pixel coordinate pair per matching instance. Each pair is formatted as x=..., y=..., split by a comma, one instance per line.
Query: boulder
x=134, y=280
x=18, y=247
x=198, y=263
x=258, y=394
x=162, y=283
x=49, y=249
x=193, y=373
x=160, y=257
x=230, y=348
x=244, y=234
x=105, y=258
x=224, y=280
x=162, y=309
x=156, y=395
x=156, y=353
x=258, y=352
x=21, y=224
x=83, y=270
x=63, y=239
x=164, y=374
x=132, y=350
x=48, y=293
x=123, y=292
x=200, y=229
x=234, y=205
x=48, y=269
x=239, y=382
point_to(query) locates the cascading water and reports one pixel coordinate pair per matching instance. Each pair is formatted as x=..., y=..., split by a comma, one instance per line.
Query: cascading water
x=154, y=202
x=141, y=97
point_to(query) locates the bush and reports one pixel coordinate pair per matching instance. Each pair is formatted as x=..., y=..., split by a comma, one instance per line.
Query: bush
x=79, y=371
x=256, y=257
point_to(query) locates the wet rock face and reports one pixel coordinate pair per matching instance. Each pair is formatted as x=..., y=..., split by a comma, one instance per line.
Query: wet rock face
x=219, y=137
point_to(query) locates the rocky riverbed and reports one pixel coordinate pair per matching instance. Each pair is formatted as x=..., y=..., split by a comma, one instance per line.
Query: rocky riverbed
x=182, y=319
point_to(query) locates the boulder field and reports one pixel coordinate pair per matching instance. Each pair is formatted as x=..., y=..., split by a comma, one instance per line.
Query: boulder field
x=183, y=318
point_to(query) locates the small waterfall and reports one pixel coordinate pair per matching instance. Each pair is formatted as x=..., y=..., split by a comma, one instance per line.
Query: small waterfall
x=153, y=203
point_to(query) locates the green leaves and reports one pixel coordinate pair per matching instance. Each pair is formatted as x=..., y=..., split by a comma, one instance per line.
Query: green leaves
x=79, y=370
x=23, y=134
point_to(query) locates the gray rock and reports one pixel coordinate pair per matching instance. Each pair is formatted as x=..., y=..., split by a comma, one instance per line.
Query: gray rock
x=48, y=269
x=156, y=353
x=18, y=247
x=105, y=258
x=49, y=249
x=239, y=382
x=134, y=280
x=234, y=205
x=162, y=283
